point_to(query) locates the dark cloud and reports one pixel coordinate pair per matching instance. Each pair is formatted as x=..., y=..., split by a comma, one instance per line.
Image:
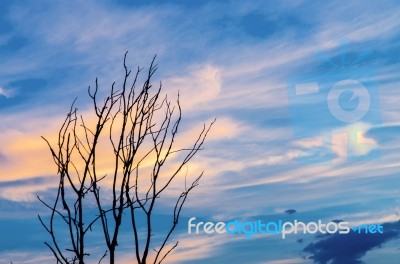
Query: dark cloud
x=350, y=248
x=290, y=211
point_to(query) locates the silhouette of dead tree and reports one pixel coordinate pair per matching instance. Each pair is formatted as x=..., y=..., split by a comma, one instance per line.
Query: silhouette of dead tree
x=140, y=126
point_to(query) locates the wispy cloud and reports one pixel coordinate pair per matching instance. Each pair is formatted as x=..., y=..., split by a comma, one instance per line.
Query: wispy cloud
x=5, y=93
x=229, y=60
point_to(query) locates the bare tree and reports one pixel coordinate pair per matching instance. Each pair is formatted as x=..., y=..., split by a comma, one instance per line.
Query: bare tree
x=139, y=126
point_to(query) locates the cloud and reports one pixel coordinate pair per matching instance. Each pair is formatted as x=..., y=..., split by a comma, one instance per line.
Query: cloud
x=290, y=211
x=25, y=257
x=26, y=190
x=5, y=93
x=199, y=87
x=352, y=141
x=27, y=154
x=220, y=72
x=344, y=143
x=285, y=261
x=350, y=248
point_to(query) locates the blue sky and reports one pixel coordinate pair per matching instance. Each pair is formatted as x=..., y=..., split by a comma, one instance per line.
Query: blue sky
x=238, y=61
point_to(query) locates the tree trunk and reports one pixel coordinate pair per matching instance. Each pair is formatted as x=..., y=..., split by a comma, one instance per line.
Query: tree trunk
x=112, y=251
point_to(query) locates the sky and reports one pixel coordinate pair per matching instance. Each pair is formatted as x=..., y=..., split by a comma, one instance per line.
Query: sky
x=288, y=143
